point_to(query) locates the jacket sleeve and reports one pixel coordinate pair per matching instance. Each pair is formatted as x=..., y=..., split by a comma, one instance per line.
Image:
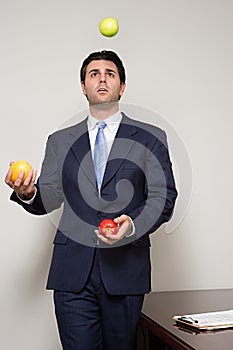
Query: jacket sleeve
x=161, y=193
x=49, y=194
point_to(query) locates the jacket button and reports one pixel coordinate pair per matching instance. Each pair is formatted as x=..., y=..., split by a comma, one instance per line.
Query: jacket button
x=99, y=215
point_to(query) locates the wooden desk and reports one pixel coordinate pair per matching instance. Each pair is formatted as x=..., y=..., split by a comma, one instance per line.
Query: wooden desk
x=158, y=331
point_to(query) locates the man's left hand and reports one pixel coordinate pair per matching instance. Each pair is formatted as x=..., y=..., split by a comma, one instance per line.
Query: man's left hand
x=125, y=227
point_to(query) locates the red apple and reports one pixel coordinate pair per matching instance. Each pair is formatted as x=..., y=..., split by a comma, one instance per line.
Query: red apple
x=108, y=226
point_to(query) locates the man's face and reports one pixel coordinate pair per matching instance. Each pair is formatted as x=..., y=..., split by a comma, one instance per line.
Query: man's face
x=102, y=82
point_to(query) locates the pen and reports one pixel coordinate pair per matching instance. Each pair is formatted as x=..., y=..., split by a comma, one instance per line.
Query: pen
x=187, y=319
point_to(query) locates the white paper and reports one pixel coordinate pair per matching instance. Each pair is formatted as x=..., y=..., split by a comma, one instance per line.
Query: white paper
x=209, y=319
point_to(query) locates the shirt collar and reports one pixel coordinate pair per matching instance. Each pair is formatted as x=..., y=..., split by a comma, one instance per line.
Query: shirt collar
x=111, y=122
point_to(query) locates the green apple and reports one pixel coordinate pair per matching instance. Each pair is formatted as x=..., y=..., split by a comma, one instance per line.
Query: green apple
x=109, y=27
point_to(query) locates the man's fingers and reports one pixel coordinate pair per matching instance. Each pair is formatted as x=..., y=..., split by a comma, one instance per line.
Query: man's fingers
x=115, y=238
x=34, y=173
x=8, y=178
x=106, y=239
x=101, y=237
x=19, y=179
x=109, y=239
x=29, y=178
x=32, y=181
x=23, y=187
x=121, y=219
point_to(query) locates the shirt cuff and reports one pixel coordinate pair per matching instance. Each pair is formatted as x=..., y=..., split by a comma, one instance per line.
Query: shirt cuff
x=27, y=201
x=132, y=232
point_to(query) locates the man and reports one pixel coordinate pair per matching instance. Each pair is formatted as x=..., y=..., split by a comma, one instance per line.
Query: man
x=99, y=281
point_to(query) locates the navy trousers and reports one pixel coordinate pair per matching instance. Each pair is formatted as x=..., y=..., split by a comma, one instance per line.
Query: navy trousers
x=95, y=320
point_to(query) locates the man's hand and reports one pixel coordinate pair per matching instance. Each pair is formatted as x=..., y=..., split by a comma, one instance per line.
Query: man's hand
x=125, y=227
x=25, y=189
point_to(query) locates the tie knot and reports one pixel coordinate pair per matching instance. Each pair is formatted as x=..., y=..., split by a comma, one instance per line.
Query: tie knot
x=101, y=125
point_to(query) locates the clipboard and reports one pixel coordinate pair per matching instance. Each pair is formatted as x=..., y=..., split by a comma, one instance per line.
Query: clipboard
x=206, y=321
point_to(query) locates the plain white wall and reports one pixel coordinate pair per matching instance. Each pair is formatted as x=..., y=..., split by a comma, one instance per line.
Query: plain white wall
x=178, y=55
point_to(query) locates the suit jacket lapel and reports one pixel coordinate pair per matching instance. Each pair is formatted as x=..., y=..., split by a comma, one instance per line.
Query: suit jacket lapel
x=80, y=145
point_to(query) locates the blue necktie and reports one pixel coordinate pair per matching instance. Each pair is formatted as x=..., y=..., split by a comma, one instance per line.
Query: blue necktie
x=100, y=154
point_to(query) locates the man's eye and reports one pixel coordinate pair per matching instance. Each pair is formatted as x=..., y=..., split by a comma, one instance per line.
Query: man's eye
x=94, y=74
x=111, y=75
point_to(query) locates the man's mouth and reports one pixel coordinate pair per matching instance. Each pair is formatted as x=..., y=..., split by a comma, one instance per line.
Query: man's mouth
x=102, y=90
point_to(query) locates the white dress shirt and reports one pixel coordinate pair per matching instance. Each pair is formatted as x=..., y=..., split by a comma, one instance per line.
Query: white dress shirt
x=112, y=125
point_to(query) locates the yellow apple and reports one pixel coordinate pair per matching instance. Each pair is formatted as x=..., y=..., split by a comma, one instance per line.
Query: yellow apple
x=17, y=167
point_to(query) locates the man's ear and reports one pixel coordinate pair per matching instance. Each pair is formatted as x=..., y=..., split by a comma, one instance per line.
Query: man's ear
x=122, y=89
x=83, y=88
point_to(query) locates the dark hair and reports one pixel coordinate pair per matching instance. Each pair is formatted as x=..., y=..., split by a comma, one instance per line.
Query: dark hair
x=103, y=55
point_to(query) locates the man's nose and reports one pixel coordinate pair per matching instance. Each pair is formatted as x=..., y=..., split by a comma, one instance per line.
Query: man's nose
x=102, y=78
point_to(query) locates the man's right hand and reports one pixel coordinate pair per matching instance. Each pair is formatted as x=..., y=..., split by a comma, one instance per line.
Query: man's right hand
x=25, y=189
